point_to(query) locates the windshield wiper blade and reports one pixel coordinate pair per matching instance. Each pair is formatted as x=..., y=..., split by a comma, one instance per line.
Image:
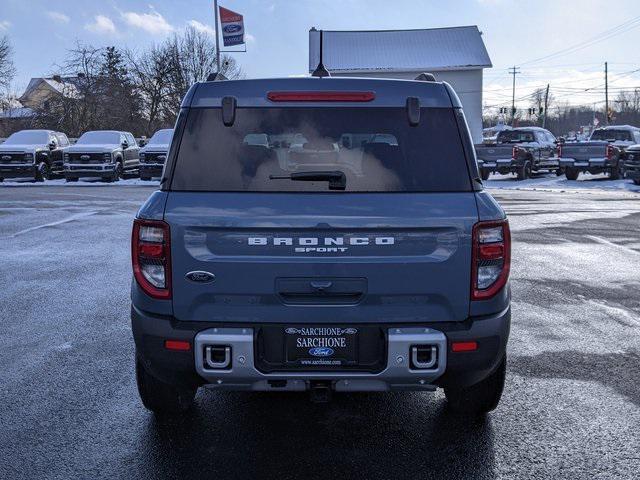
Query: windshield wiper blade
x=337, y=179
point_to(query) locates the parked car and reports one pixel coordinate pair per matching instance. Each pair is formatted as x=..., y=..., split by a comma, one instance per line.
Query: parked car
x=522, y=151
x=107, y=154
x=330, y=235
x=154, y=154
x=602, y=153
x=33, y=154
x=632, y=163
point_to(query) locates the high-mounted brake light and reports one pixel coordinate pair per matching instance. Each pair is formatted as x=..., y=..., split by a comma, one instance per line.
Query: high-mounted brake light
x=491, y=258
x=151, y=257
x=321, y=96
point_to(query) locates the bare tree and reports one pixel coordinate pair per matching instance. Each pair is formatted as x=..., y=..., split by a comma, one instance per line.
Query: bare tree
x=7, y=69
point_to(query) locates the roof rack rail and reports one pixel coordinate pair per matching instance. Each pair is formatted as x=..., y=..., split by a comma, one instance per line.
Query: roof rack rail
x=426, y=77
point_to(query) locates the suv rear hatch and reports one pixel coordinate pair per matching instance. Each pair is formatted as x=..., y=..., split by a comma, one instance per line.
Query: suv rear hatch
x=393, y=236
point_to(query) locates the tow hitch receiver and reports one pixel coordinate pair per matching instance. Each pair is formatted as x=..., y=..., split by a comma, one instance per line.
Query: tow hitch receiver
x=320, y=391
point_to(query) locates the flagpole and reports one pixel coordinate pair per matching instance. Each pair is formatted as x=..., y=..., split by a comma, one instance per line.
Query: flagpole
x=215, y=7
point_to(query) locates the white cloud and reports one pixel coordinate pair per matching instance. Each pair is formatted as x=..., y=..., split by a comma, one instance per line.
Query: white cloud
x=151, y=22
x=4, y=25
x=101, y=24
x=58, y=17
x=201, y=27
x=249, y=38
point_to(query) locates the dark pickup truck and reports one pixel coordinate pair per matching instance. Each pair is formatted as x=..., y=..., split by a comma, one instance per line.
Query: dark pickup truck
x=521, y=151
x=632, y=164
x=35, y=154
x=154, y=154
x=106, y=154
x=603, y=153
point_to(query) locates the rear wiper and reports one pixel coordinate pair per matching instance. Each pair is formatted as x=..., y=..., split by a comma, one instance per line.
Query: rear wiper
x=337, y=179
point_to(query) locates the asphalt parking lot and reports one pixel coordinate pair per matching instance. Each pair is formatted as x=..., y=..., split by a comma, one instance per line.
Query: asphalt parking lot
x=68, y=401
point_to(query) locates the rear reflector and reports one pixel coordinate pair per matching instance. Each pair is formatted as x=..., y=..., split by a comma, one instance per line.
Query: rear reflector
x=177, y=345
x=464, y=346
x=321, y=96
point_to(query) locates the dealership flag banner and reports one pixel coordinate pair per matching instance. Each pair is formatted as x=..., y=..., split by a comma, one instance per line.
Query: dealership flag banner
x=232, y=27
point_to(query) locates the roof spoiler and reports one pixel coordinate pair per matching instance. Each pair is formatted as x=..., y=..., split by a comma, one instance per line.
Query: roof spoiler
x=426, y=77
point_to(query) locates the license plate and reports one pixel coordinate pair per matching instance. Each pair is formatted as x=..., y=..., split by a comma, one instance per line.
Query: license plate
x=321, y=346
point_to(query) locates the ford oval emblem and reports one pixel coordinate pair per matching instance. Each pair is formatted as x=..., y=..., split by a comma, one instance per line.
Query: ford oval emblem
x=200, y=276
x=321, y=351
x=232, y=28
x=6, y=157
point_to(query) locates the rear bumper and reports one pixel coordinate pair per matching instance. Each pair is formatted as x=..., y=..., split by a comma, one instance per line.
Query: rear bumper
x=190, y=369
x=632, y=170
x=17, y=170
x=590, y=164
x=507, y=164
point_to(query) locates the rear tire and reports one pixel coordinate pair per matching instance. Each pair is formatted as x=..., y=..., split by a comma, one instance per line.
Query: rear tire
x=571, y=173
x=614, y=174
x=524, y=171
x=43, y=172
x=159, y=397
x=484, y=174
x=480, y=398
x=636, y=181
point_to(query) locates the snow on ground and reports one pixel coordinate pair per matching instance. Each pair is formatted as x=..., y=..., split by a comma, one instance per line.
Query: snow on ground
x=553, y=182
x=83, y=182
x=496, y=181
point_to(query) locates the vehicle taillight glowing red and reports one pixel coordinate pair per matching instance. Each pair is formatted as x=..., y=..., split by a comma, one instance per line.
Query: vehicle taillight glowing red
x=610, y=152
x=514, y=152
x=321, y=96
x=559, y=150
x=490, y=259
x=151, y=257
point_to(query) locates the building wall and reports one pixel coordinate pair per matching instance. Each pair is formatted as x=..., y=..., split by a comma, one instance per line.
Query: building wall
x=466, y=83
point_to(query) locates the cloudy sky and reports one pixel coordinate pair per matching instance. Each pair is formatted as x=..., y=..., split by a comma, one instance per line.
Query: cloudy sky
x=586, y=33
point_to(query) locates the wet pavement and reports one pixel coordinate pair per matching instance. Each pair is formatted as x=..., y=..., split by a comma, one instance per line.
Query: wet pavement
x=68, y=401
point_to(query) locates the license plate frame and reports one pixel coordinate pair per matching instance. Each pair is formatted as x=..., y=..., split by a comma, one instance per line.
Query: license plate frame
x=321, y=346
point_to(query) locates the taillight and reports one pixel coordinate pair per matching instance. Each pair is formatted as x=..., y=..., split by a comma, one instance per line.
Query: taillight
x=559, y=150
x=151, y=257
x=491, y=258
x=610, y=152
x=514, y=152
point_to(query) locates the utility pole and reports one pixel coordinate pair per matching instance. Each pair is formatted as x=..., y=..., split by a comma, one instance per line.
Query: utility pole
x=606, y=93
x=546, y=105
x=215, y=7
x=513, y=71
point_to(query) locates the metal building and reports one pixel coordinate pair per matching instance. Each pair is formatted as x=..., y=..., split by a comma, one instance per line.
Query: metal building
x=456, y=55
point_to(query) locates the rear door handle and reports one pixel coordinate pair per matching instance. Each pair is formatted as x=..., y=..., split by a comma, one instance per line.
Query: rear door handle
x=321, y=286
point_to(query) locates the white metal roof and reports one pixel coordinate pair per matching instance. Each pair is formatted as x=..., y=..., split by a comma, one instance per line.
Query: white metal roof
x=455, y=48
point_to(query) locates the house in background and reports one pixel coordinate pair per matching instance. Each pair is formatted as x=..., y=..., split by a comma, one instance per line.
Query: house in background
x=456, y=55
x=40, y=90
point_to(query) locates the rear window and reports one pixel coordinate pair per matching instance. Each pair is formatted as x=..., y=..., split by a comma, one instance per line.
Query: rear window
x=516, y=136
x=610, y=134
x=375, y=148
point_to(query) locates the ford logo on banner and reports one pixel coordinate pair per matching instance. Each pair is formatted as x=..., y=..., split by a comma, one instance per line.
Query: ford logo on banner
x=321, y=351
x=233, y=28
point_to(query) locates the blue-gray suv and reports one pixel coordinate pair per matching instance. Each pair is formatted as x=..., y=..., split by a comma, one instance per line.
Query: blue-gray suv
x=321, y=234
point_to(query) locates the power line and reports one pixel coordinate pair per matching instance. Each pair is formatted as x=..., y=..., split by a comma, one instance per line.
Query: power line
x=617, y=30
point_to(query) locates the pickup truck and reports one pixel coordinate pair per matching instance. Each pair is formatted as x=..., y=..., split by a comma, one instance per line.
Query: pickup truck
x=154, y=154
x=106, y=154
x=632, y=164
x=521, y=151
x=322, y=235
x=604, y=152
x=35, y=154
